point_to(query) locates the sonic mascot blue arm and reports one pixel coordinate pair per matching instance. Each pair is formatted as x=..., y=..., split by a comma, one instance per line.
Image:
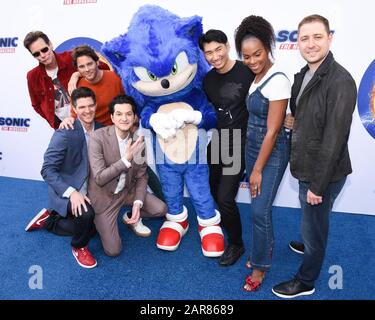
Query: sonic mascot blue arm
x=162, y=68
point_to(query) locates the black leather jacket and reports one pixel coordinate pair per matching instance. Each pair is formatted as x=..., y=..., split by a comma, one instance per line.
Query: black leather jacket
x=322, y=124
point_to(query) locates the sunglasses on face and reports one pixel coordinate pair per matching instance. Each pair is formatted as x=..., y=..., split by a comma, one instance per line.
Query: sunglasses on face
x=37, y=54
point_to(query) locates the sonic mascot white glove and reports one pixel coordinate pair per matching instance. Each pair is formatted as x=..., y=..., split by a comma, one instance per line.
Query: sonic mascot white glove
x=163, y=124
x=183, y=116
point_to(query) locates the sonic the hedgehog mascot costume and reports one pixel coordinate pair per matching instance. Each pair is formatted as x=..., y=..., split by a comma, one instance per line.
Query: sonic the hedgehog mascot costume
x=162, y=68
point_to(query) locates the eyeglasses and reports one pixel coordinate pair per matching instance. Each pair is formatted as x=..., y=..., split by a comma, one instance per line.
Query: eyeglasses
x=37, y=54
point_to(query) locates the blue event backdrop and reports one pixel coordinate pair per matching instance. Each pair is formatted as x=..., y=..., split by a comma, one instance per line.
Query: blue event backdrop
x=74, y=42
x=366, y=99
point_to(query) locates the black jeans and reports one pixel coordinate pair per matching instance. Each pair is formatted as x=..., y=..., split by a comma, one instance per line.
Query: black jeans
x=314, y=230
x=81, y=228
x=224, y=186
x=154, y=184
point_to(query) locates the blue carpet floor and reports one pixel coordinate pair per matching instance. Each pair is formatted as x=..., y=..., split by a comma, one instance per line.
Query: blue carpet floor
x=144, y=272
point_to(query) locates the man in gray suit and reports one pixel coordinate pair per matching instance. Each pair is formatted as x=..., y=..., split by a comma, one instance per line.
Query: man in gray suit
x=118, y=177
x=66, y=169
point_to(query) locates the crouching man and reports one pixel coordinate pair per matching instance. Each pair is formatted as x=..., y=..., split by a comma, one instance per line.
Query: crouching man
x=65, y=169
x=118, y=177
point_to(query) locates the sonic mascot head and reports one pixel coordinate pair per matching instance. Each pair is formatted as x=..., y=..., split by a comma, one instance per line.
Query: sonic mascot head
x=162, y=68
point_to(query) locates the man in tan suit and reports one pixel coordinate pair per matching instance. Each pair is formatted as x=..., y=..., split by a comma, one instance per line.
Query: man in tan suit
x=118, y=177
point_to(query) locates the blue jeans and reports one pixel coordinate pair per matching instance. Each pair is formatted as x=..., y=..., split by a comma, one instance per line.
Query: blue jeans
x=262, y=241
x=314, y=230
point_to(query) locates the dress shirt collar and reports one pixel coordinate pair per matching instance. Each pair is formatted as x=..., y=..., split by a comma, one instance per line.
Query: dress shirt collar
x=122, y=140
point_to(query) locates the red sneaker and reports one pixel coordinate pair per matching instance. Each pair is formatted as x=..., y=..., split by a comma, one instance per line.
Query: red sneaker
x=38, y=221
x=170, y=234
x=212, y=240
x=84, y=257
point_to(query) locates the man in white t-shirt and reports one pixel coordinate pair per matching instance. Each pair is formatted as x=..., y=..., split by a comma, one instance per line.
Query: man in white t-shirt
x=48, y=82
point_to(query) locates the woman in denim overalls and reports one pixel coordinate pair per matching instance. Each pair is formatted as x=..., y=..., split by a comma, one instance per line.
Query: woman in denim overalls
x=267, y=144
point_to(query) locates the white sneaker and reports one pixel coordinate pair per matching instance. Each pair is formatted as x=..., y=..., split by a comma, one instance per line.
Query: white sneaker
x=138, y=228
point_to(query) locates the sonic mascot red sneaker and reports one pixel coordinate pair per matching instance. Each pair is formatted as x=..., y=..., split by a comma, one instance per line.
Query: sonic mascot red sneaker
x=172, y=231
x=212, y=238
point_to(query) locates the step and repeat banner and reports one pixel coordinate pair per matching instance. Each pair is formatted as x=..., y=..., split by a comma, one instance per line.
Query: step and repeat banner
x=24, y=135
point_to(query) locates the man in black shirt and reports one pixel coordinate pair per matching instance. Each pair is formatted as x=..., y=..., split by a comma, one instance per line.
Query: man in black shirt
x=226, y=87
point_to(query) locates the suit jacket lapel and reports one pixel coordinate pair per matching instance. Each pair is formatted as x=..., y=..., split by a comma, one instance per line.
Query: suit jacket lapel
x=129, y=174
x=113, y=142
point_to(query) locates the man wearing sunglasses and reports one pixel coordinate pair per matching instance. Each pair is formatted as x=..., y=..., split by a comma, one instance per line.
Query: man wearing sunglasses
x=48, y=82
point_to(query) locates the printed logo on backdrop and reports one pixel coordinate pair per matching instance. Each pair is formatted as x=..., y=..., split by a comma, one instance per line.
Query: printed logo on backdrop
x=8, y=45
x=287, y=39
x=1, y=155
x=14, y=124
x=366, y=100
x=74, y=42
x=71, y=2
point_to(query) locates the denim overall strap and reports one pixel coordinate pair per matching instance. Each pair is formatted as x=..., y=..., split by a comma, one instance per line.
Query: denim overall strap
x=270, y=77
x=257, y=105
x=282, y=132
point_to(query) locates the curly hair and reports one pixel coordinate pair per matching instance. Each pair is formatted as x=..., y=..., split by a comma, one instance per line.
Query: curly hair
x=258, y=27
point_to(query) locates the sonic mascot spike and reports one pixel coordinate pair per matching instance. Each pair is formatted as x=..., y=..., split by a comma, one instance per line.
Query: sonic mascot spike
x=162, y=68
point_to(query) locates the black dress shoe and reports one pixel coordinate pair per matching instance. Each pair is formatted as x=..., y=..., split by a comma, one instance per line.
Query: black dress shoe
x=231, y=254
x=292, y=288
x=296, y=246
